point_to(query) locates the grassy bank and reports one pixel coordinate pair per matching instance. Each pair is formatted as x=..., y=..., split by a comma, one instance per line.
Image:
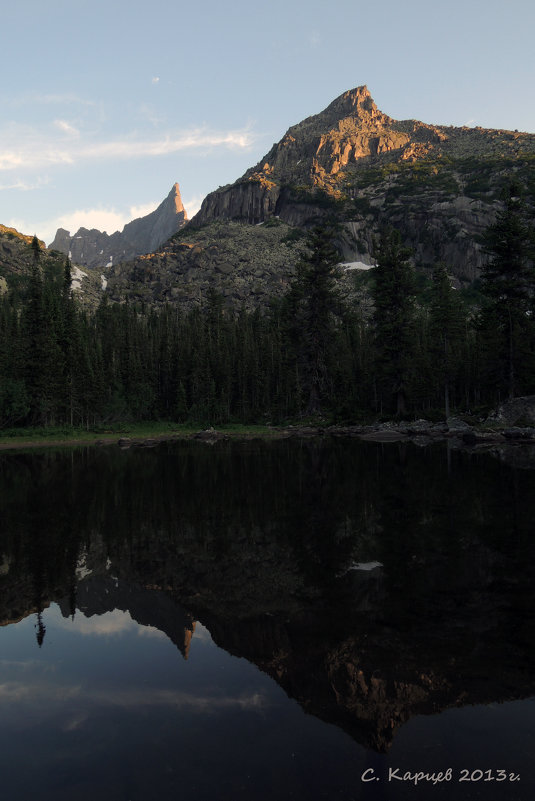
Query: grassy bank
x=67, y=436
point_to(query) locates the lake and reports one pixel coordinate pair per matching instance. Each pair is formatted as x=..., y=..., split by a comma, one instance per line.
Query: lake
x=298, y=619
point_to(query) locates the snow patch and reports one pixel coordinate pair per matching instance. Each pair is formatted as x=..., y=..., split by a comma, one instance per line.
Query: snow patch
x=110, y=263
x=81, y=569
x=365, y=566
x=104, y=281
x=77, y=278
x=356, y=265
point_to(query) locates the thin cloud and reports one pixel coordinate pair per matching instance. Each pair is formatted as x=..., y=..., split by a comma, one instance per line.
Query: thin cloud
x=66, y=127
x=107, y=624
x=17, y=692
x=193, y=204
x=102, y=218
x=142, y=210
x=25, y=186
x=181, y=700
x=146, y=112
x=45, y=694
x=29, y=158
x=37, y=152
x=51, y=99
x=162, y=147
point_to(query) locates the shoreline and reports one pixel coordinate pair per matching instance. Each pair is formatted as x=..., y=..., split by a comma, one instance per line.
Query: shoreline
x=420, y=432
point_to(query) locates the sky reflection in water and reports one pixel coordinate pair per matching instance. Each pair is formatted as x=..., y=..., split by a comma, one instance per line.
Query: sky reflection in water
x=256, y=586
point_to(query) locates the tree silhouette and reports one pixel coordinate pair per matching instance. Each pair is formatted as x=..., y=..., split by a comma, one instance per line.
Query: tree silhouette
x=395, y=343
x=509, y=279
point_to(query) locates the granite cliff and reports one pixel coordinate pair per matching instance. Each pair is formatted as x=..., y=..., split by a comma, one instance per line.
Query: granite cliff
x=97, y=249
x=440, y=185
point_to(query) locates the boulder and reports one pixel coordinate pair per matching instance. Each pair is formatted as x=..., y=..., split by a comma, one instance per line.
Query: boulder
x=515, y=411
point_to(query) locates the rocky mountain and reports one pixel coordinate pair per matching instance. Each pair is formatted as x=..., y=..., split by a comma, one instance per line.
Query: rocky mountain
x=16, y=256
x=439, y=185
x=97, y=249
x=16, y=259
x=244, y=263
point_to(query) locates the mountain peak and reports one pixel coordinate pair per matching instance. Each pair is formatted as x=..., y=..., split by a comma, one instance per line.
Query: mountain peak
x=140, y=236
x=354, y=101
x=174, y=197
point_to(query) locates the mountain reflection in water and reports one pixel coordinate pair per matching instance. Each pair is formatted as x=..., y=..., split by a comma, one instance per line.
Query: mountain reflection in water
x=372, y=583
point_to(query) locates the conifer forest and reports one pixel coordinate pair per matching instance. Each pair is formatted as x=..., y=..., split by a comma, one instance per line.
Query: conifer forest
x=417, y=347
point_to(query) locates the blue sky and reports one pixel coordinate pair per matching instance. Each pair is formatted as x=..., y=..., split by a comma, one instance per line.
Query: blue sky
x=107, y=104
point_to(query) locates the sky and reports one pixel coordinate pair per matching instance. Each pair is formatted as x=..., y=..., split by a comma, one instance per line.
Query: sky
x=107, y=104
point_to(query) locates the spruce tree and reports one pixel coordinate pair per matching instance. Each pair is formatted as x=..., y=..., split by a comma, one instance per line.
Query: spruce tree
x=509, y=282
x=69, y=345
x=395, y=343
x=313, y=313
x=447, y=325
x=35, y=346
x=36, y=248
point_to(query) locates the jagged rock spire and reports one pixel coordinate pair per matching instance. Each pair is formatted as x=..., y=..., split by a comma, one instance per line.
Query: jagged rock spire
x=94, y=248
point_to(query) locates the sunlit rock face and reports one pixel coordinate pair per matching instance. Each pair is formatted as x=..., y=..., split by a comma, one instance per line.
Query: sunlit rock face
x=94, y=248
x=315, y=152
x=439, y=185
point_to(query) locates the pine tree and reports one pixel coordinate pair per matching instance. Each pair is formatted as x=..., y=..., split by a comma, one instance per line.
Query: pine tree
x=313, y=312
x=14, y=401
x=447, y=326
x=36, y=248
x=35, y=346
x=395, y=343
x=509, y=282
x=69, y=346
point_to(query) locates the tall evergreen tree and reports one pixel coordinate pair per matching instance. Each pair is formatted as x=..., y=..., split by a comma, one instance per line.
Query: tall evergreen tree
x=35, y=346
x=509, y=282
x=314, y=310
x=36, y=248
x=447, y=326
x=69, y=342
x=395, y=343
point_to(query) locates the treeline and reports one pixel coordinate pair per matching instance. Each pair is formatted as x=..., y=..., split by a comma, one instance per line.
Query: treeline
x=310, y=353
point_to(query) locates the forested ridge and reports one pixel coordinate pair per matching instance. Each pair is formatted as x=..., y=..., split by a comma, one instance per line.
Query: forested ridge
x=310, y=354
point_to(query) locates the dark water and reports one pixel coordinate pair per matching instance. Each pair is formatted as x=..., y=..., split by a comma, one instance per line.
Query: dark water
x=279, y=620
